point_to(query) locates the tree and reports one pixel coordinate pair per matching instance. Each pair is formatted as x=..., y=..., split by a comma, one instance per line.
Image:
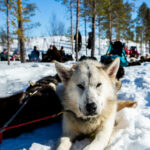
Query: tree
x=3, y=37
x=21, y=16
x=77, y=29
x=139, y=36
x=71, y=18
x=7, y=3
x=143, y=18
x=117, y=17
x=92, y=13
x=6, y=6
x=84, y=15
x=93, y=27
x=21, y=37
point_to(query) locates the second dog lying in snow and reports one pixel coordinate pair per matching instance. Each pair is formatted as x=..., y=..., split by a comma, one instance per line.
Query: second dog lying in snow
x=90, y=99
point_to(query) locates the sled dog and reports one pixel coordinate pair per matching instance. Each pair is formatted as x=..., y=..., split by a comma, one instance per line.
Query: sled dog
x=90, y=101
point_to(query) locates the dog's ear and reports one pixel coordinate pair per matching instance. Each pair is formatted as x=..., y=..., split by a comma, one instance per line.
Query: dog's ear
x=113, y=68
x=63, y=72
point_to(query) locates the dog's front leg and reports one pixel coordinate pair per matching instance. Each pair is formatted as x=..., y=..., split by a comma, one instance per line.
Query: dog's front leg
x=64, y=143
x=103, y=134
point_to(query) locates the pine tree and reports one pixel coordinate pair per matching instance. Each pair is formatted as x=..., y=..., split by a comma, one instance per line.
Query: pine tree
x=84, y=15
x=21, y=37
x=6, y=6
x=21, y=16
x=77, y=28
x=7, y=3
x=71, y=18
x=139, y=36
x=143, y=18
x=117, y=17
x=92, y=7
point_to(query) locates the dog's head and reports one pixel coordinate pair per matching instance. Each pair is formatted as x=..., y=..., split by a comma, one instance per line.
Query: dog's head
x=87, y=86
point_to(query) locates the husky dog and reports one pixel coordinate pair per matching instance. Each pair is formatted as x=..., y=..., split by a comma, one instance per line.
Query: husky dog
x=90, y=99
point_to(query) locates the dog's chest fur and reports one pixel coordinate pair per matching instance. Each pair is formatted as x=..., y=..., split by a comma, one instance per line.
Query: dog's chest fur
x=82, y=126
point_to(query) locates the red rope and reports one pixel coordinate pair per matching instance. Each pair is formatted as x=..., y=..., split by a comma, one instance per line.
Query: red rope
x=1, y=137
x=30, y=122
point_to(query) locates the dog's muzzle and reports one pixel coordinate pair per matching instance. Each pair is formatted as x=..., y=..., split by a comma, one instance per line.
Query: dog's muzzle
x=91, y=108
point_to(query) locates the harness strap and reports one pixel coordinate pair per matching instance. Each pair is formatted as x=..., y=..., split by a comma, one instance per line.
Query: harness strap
x=1, y=137
x=13, y=117
x=18, y=111
x=27, y=123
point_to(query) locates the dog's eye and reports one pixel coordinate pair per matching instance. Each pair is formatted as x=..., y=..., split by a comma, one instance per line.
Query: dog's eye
x=98, y=85
x=81, y=86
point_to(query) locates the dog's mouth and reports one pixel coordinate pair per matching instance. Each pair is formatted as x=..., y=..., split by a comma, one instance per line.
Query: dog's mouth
x=88, y=114
x=81, y=116
x=91, y=114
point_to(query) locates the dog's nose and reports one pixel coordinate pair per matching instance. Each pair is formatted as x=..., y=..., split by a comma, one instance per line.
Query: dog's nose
x=91, y=108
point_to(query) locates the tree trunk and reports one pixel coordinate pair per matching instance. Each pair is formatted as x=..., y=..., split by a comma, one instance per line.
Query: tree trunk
x=85, y=24
x=99, y=24
x=21, y=33
x=77, y=29
x=93, y=29
x=141, y=43
x=8, y=43
x=110, y=22
x=71, y=25
x=149, y=45
x=117, y=34
x=110, y=27
x=85, y=33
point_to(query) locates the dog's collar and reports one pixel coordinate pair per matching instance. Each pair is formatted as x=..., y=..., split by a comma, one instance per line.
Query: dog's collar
x=79, y=118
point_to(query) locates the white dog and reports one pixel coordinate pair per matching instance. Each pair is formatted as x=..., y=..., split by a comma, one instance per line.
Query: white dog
x=90, y=99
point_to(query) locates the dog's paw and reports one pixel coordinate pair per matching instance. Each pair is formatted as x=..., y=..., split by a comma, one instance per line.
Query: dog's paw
x=65, y=144
x=89, y=147
x=92, y=147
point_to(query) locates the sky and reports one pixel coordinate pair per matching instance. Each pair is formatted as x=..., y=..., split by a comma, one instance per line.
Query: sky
x=48, y=8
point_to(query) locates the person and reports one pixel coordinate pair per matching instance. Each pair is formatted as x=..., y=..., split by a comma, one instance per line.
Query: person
x=49, y=51
x=34, y=56
x=79, y=41
x=16, y=55
x=127, y=50
x=4, y=55
x=89, y=46
x=62, y=52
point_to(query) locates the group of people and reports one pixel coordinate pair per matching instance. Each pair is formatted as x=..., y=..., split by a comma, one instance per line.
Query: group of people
x=132, y=52
x=14, y=56
x=52, y=54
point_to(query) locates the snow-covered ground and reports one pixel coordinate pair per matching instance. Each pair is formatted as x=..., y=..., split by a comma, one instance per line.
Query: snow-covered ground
x=136, y=86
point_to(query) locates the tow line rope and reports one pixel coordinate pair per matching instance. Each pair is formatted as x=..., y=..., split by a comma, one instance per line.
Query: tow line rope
x=5, y=127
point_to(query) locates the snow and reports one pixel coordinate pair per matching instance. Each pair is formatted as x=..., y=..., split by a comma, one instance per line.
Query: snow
x=136, y=87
